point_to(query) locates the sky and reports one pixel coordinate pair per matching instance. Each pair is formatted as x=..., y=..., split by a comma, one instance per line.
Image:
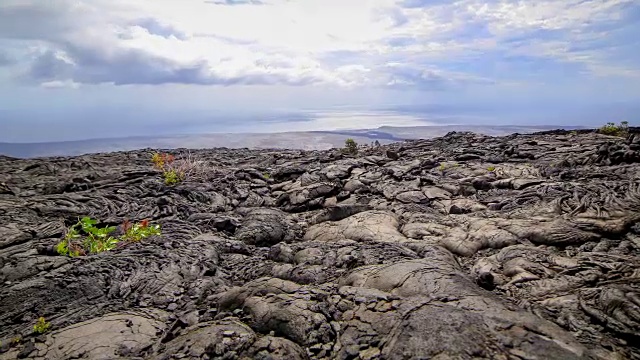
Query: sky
x=77, y=69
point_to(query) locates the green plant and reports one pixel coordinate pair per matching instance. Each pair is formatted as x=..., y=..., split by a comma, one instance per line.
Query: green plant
x=159, y=160
x=67, y=246
x=172, y=177
x=612, y=129
x=85, y=238
x=442, y=167
x=164, y=162
x=42, y=326
x=97, y=239
x=350, y=146
x=266, y=175
x=137, y=232
x=491, y=168
x=176, y=171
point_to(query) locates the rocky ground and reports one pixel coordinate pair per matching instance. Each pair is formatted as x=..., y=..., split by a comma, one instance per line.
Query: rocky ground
x=460, y=247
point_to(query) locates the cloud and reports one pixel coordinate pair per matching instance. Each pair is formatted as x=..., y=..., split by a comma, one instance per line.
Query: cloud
x=412, y=76
x=125, y=51
x=547, y=14
x=6, y=59
x=551, y=30
x=92, y=65
x=563, y=31
x=235, y=2
x=51, y=64
x=55, y=84
x=155, y=27
x=440, y=44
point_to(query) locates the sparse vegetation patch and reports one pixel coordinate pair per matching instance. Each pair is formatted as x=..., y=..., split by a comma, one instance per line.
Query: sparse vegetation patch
x=612, y=129
x=350, y=146
x=85, y=237
x=42, y=326
x=176, y=171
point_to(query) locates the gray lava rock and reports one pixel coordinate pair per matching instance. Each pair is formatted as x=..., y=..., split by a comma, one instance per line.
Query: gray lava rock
x=266, y=227
x=528, y=249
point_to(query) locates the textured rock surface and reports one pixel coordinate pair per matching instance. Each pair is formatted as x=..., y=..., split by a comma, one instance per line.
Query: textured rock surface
x=460, y=247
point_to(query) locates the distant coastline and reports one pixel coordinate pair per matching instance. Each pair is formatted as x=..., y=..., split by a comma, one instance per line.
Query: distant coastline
x=307, y=140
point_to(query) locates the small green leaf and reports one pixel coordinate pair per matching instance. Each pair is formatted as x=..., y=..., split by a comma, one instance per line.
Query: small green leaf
x=41, y=326
x=62, y=248
x=89, y=221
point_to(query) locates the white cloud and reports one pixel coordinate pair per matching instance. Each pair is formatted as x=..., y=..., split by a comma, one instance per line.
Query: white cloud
x=285, y=41
x=546, y=14
x=56, y=84
x=464, y=27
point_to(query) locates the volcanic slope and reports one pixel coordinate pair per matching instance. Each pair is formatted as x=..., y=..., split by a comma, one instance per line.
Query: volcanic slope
x=460, y=247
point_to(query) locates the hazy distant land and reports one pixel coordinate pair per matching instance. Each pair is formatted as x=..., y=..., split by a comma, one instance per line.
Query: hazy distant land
x=309, y=140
